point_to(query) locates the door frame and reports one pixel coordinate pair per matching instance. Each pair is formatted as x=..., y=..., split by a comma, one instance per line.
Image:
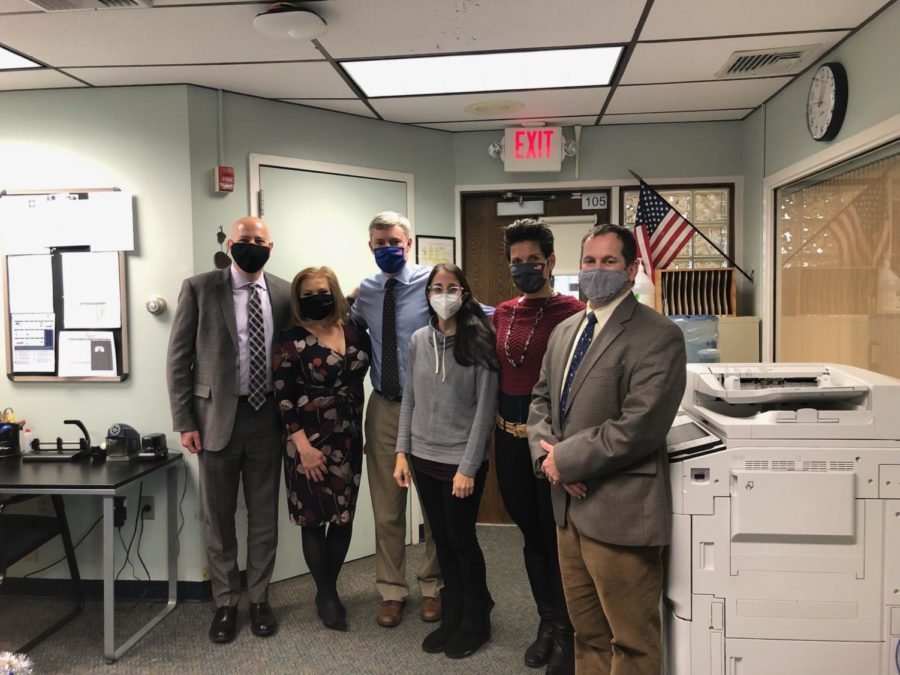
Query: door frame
x=257, y=161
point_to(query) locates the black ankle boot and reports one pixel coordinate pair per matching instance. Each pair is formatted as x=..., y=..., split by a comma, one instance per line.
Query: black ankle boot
x=451, y=616
x=331, y=611
x=562, y=659
x=538, y=652
x=474, y=629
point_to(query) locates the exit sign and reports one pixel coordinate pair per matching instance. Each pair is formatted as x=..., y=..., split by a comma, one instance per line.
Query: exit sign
x=533, y=149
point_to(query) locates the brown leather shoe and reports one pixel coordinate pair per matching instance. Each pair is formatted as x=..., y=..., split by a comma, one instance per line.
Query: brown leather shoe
x=390, y=614
x=430, y=610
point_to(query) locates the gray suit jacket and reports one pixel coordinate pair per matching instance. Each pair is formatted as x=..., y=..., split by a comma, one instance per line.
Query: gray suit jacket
x=202, y=368
x=621, y=404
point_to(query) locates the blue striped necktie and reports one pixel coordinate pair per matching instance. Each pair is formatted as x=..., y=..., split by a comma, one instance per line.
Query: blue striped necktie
x=584, y=342
x=257, y=391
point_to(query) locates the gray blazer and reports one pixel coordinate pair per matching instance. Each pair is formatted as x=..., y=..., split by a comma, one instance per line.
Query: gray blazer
x=202, y=367
x=621, y=404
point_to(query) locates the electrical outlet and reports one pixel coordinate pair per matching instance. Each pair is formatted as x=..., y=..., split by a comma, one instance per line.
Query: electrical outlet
x=148, y=508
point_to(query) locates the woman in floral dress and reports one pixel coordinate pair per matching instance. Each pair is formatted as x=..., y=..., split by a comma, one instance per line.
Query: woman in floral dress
x=319, y=367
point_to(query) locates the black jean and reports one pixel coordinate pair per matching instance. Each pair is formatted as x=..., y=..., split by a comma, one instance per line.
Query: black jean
x=526, y=497
x=453, y=530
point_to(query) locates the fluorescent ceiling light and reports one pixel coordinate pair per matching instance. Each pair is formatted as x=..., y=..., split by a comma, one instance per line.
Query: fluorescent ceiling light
x=10, y=61
x=502, y=71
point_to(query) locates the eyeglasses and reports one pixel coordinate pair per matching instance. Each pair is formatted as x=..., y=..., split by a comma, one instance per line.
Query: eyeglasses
x=452, y=289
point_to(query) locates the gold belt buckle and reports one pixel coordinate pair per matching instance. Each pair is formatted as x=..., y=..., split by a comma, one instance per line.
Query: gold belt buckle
x=519, y=430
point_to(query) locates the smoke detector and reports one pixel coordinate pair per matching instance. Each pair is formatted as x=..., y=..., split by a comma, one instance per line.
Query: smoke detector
x=63, y=5
x=287, y=20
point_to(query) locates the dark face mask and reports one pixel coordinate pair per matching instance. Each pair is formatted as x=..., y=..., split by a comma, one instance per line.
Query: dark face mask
x=528, y=276
x=249, y=257
x=390, y=258
x=316, y=307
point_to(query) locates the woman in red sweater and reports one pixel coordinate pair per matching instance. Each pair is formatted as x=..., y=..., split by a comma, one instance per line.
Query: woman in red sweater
x=523, y=327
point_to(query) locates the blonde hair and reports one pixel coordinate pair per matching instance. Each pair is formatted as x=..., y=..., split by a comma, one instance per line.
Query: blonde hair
x=341, y=308
x=388, y=219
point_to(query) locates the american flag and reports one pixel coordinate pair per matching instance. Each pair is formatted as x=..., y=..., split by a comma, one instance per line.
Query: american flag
x=661, y=232
x=861, y=231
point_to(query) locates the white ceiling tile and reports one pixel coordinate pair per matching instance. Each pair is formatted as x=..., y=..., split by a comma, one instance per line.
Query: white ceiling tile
x=486, y=125
x=269, y=80
x=535, y=104
x=349, y=105
x=662, y=118
x=403, y=27
x=694, y=95
x=217, y=34
x=35, y=79
x=701, y=59
x=7, y=6
x=702, y=18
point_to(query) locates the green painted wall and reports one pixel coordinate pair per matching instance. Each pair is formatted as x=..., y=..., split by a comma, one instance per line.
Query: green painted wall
x=135, y=139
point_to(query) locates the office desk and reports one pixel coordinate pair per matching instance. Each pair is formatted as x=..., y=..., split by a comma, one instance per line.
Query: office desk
x=106, y=480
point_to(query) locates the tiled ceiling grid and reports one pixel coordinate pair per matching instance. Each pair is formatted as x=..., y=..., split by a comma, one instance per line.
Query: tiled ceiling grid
x=667, y=72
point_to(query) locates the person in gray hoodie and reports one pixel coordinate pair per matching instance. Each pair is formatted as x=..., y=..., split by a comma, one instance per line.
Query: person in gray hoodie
x=446, y=419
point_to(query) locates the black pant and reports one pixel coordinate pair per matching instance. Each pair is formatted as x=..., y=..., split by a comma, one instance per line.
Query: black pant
x=526, y=497
x=453, y=530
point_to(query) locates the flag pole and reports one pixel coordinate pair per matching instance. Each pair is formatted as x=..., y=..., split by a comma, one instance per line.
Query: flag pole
x=707, y=239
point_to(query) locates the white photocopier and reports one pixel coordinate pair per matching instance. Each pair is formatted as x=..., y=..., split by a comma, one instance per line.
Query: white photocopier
x=785, y=555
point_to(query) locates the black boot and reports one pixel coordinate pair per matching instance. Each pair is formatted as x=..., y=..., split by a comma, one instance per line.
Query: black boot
x=474, y=629
x=451, y=616
x=325, y=566
x=562, y=659
x=538, y=653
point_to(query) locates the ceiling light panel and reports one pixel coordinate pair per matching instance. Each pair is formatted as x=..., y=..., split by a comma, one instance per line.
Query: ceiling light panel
x=501, y=71
x=10, y=60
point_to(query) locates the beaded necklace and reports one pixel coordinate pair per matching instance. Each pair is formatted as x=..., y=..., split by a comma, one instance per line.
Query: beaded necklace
x=512, y=320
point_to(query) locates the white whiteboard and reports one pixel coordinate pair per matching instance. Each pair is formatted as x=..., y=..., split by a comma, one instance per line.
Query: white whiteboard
x=34, y=223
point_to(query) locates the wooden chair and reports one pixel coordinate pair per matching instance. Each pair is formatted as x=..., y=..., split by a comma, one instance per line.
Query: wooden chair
x=20, y=534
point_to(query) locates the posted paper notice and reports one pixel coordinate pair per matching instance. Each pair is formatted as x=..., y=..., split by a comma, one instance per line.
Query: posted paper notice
x=32, y=343
x=91, y=290
x=85, y=353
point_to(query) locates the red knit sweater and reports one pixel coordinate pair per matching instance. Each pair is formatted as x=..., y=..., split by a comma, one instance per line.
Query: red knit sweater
x=519, y=381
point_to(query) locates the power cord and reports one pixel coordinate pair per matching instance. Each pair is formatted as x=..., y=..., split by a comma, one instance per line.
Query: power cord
x=83, y=537
x=127, y=560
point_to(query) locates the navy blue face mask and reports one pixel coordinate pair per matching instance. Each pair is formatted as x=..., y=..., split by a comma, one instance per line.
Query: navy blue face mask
x=390, y=258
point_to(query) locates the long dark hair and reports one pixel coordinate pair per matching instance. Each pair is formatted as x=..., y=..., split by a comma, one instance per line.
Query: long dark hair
x=476, y=340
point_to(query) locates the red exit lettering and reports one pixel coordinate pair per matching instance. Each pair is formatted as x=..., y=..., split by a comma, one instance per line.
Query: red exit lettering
x=536, y=144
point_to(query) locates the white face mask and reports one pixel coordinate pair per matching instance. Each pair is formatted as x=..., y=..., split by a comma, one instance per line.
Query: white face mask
x=445, y=305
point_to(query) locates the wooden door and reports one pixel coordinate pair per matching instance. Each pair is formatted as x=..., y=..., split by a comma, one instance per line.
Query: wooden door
x=485, y=266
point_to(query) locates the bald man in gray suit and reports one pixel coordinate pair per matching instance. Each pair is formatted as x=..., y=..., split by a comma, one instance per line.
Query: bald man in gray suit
x=610, y=385
x=220, y=392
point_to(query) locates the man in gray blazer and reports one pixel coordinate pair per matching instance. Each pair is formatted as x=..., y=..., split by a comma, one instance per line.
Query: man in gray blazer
x=220, y=392
x=610, y=385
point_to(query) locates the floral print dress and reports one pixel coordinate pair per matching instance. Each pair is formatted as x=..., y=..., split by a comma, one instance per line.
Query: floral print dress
x=320, y=391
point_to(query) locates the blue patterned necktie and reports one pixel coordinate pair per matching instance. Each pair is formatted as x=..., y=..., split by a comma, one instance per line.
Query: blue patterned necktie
x=584, y=341
x=257, y=390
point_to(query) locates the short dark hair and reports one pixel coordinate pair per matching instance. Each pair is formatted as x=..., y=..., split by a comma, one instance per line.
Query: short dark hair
x=528, y=229
x=629, y=247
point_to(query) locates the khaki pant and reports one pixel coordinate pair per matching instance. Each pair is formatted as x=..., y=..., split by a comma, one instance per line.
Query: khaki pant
x=613, y=594
x=389, y=503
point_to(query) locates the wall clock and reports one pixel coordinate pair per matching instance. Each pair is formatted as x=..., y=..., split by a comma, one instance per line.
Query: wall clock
x=827, y=101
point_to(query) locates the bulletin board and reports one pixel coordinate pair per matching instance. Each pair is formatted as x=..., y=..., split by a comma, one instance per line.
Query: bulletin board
x=64, y=290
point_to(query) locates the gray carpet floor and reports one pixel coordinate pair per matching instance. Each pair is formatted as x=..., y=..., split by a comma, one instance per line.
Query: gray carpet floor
x=302, y=645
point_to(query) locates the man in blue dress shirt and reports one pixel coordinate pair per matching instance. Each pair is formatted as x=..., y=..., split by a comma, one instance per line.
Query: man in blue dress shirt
x=392, y=305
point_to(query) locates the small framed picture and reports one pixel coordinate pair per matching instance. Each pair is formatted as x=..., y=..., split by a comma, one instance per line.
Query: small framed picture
x=431, y=250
